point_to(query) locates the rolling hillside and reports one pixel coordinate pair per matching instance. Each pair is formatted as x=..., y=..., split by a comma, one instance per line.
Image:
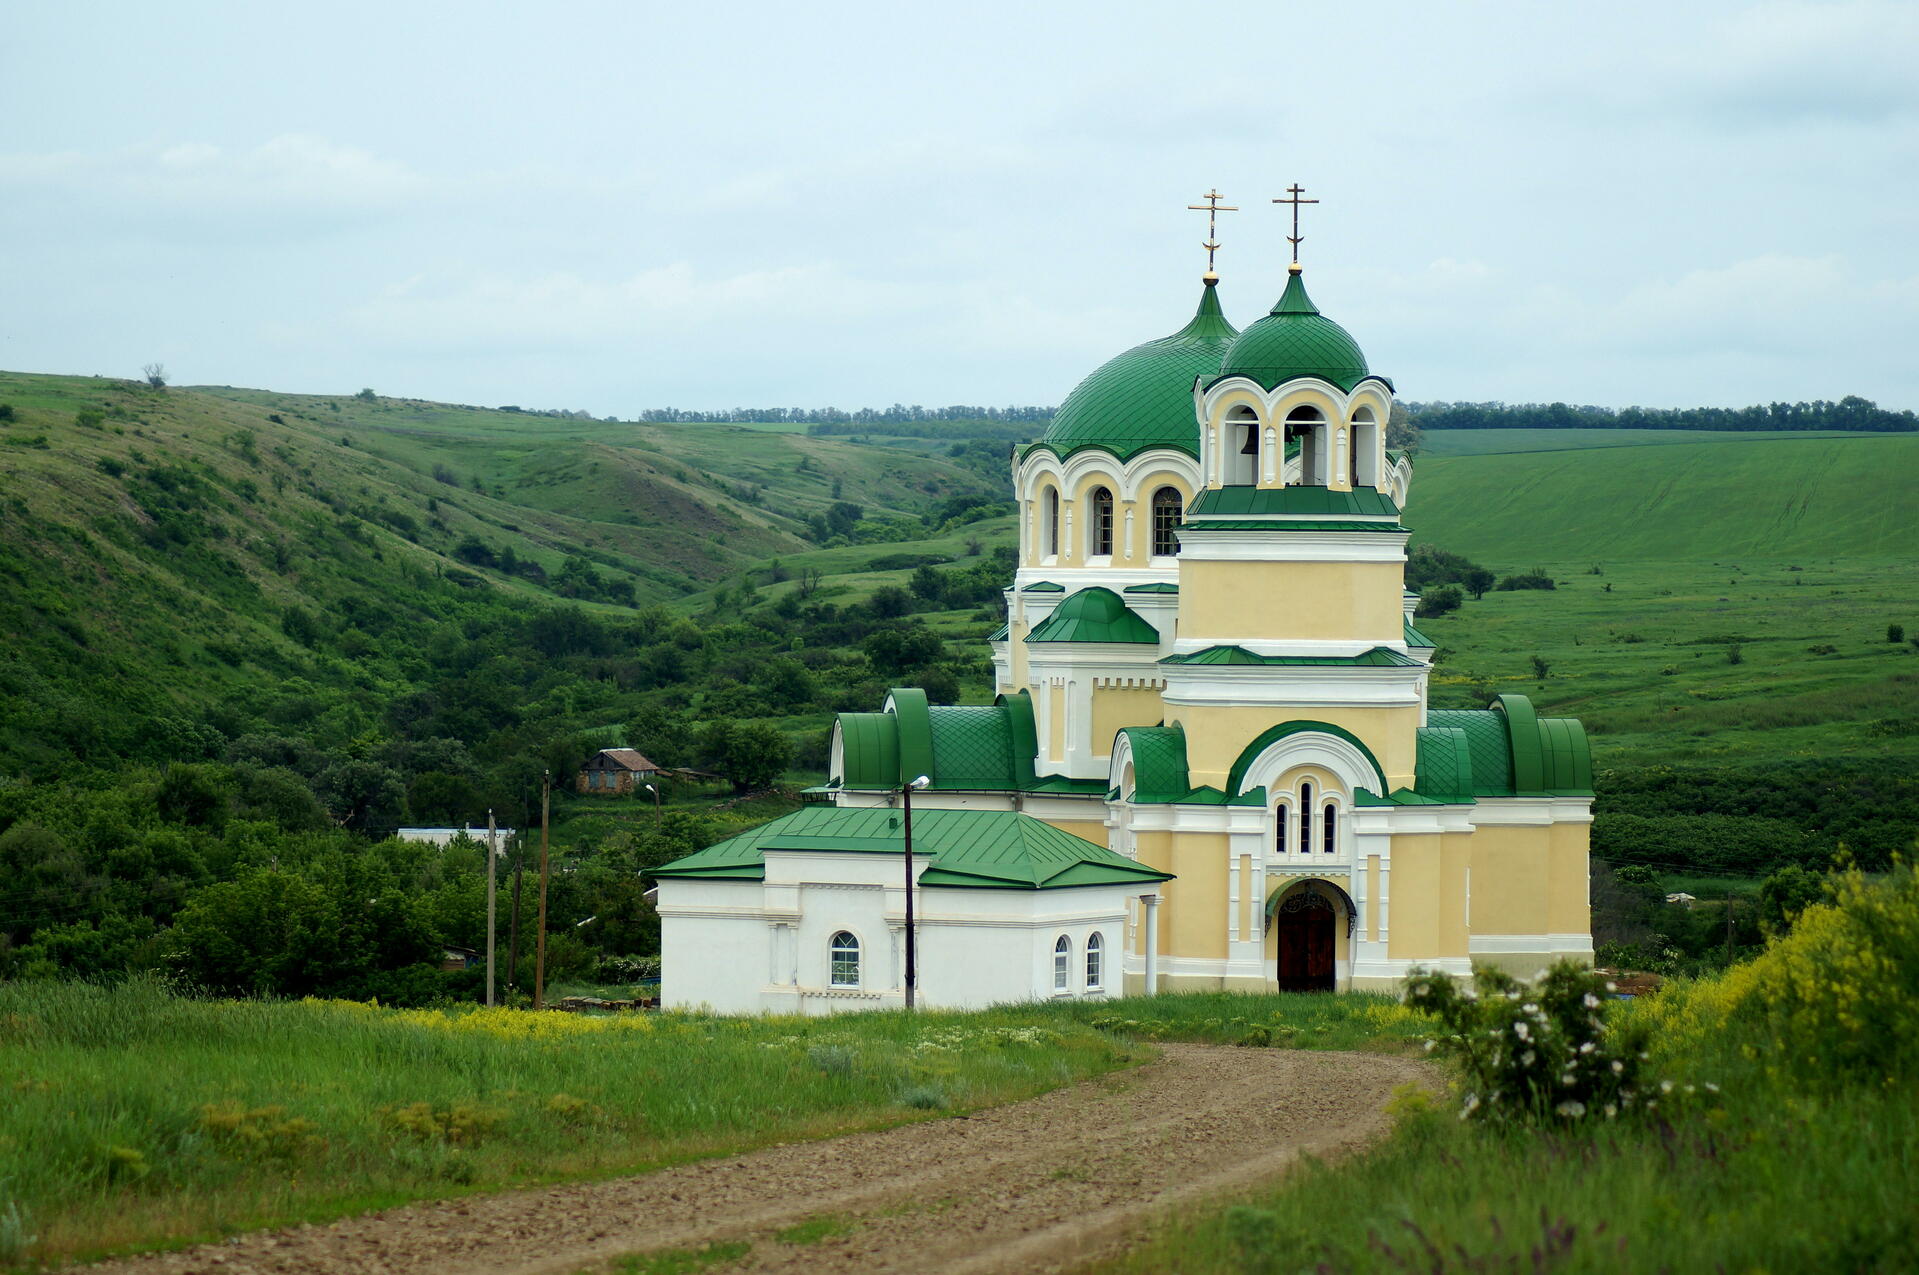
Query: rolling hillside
x=1736, y=497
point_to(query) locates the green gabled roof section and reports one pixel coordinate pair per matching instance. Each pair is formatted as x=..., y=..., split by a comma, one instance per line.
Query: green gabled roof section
x=1061, y=786
x=1415, y=638
x=1158, y=586
x=1444, y=765
x=1094, y=615
x=1159, y=762
x=969, y=849
x=1287, y=524
x=1043, y=586
x=1378, y=657
x=1002, y=633
x=1273, y=734
x=1298, y=501
x=1144, y=398
x=1295, y=340
x=1517, y=753
x=973, y=749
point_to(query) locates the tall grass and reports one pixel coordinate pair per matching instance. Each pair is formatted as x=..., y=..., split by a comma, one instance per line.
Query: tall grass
x=133, y=1115
x=1802, y=1162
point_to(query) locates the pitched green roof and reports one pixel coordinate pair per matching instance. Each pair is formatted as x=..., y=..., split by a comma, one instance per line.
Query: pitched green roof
x=1043, y=586
x=1144, y=397
x=970, y=849
x=1378, y=657
x=1158, y=586
x=1415, y=638
x=1295, y=340
x=1094, y=615
x=1285, y=525
x=1293, y=501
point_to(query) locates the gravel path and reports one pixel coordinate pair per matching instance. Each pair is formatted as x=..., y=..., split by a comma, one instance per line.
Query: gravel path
x=1032, y=1186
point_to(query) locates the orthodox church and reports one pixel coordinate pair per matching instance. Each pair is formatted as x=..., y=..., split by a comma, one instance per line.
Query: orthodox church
x=1210, y=763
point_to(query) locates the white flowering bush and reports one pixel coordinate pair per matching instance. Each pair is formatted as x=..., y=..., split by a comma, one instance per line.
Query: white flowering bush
x=1536, y=1052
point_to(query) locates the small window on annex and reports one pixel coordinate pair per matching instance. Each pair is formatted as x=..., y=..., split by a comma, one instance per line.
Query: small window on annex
x=1049, y=543
x=1282, y=823
x=846, y=960
x=1094, y=951
x=1330, y=838
x=1168, y=509
x=1063, y=964
x=1100, y=524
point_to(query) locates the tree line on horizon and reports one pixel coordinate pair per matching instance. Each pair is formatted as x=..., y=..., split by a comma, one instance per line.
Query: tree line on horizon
x=1851, y=413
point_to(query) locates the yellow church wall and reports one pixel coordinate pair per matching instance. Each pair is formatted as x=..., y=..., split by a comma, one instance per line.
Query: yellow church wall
x=1215, y=737
x=1115, y=707
x=1511, y=867
x=1412, y=929
x=1016, y=647
x=1455, y=859
x=1056, y=723
x=1193, y=919
x=1568, y=890
x=1307, y=601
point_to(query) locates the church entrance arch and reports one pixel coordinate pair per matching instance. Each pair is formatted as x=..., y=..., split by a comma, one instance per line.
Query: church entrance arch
x=1305, y=920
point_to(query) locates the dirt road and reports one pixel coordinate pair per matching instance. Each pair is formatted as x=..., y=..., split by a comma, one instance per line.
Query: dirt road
x=1033, y=1186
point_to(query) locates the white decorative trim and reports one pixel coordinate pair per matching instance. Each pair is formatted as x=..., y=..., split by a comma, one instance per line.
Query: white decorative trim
x=1291, y=686
x=1294, y=546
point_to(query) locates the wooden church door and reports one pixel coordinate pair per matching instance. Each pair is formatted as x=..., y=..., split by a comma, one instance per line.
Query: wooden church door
x=1303, y=929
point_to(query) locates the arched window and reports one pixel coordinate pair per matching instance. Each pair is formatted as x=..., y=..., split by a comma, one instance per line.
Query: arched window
x=1283, y=816
x=1063, y=964
x=1168, y=509
x=1093, y=954
x=1099, y=527
x=1329, y=838
x=1309, y=427
x=1050, y=544
x=845, y=950
x=1306, y=816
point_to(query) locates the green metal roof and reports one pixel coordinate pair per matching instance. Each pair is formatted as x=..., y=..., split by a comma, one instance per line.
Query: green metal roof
x=1003, y=632
x=1516, y=753
x=1289, y=524
x=1271, y=734
x=1159, y=762
x=1295, y=340
x=1378, y=657
x=1230, y=502
x=1094, y=615
x=1415, y=638
x=970, y=849
x=1043, y=586
x=973, y=748
x=1159, y=586
x=1445, y=765
x=1144, y=397
x=976, y=748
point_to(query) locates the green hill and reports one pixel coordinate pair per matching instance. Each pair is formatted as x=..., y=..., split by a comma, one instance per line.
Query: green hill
x=1736, y=496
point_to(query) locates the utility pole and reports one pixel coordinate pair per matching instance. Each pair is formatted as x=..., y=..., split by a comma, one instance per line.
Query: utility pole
x=513, y=926
x=539, y=960
x=492, y=924
x=912, y=956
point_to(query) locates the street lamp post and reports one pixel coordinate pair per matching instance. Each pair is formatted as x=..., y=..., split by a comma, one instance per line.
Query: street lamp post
x=912, y=966
x=656, y=804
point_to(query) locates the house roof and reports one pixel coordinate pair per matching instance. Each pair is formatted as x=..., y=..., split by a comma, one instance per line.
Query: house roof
x=969, y=849
x=626, y=758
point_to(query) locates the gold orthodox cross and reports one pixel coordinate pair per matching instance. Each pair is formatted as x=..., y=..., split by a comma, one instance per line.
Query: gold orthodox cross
x=1212, y=208
x=1295, y=191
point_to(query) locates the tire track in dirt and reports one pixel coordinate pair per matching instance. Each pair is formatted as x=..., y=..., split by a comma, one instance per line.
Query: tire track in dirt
x=1035, y=1185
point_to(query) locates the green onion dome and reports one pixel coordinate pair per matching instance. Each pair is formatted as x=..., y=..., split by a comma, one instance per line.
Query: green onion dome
x=1144, y=397
x=1295, y=340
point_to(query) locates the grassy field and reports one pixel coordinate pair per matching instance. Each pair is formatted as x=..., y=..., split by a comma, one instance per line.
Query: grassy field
x=137, y=1117
x=1488, y=442
x=1786, y=1142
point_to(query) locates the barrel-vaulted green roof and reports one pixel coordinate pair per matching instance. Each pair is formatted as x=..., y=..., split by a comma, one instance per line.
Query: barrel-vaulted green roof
x=1094, y=615
x=1295, y=340
x=1144, y=397
x=964, y=748
x=1505, y=751
x=969, y=849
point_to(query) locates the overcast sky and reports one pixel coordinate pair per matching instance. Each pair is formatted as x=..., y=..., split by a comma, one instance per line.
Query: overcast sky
x=618, y=206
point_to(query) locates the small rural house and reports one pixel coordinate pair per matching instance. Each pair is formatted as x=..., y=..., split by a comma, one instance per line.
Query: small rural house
x=614, y=771
x=1212, y=763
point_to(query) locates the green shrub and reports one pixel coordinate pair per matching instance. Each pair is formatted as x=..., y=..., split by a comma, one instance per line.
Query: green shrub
x=1534, y=1054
